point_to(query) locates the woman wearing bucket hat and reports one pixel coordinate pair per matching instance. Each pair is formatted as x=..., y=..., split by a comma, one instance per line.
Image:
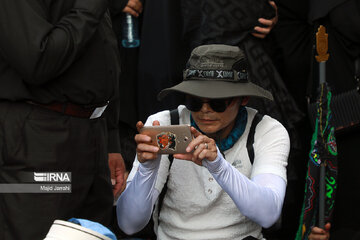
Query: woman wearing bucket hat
x=224, y=195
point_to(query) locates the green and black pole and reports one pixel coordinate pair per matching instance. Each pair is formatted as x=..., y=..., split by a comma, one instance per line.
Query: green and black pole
x=321, y=58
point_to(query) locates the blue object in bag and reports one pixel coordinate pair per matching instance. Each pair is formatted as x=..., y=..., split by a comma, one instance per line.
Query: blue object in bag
x=97, y=227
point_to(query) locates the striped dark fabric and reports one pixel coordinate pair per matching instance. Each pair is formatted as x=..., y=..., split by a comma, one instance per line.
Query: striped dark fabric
x=345, y=108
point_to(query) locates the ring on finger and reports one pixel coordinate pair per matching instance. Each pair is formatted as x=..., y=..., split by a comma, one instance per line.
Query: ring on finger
x=206, y=146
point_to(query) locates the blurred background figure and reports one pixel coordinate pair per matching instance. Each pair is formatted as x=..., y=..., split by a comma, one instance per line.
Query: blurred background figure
x=59, y=70
x=294, y=37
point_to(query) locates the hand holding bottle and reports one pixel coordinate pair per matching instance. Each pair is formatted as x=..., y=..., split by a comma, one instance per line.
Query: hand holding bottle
x=133, y=7
x=130, y=24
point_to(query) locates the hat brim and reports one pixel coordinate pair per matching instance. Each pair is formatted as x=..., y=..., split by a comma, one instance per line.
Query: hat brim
x=217, y=89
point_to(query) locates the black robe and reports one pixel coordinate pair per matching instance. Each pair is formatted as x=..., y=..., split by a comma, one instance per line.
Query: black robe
x=294, y=36
x=161, y=56
x=232, y=22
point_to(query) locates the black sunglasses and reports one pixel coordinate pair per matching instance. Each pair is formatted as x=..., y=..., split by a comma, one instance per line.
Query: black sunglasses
x=194, y=104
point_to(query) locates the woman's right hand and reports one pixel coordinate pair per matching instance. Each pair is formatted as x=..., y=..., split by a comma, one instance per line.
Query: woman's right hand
x=144, y=150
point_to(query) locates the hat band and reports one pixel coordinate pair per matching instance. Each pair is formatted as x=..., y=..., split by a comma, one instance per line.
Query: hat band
x=227, y=75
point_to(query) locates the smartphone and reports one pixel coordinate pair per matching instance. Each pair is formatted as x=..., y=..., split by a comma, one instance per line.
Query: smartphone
x=170, y=139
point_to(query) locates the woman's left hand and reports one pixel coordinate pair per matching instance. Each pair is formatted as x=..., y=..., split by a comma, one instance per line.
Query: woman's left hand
x=200, y=148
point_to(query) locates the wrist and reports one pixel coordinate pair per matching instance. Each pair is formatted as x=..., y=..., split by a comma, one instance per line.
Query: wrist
x=215, y=165
x=149, y=165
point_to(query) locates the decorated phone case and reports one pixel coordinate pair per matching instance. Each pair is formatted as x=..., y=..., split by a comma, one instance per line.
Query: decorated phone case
x=170, y=139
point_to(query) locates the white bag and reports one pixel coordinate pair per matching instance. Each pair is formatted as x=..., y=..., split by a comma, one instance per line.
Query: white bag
x=63, y=230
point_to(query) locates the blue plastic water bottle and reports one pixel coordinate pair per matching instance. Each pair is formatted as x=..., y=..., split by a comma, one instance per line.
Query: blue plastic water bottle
x=130, y=31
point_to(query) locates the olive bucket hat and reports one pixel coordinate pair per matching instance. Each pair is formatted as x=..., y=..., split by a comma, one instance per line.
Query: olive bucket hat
x=217, y=71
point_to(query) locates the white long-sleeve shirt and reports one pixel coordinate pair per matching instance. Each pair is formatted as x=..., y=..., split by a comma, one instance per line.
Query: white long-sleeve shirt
x=225, y=199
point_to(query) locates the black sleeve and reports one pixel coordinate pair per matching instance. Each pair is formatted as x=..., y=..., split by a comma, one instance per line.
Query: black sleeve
x=116, y=6
x=112, y=119
x=38, y=49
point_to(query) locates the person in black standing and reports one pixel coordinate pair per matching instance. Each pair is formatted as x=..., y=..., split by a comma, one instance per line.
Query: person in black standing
x=294, y=36
x=342, y=19
x=128, y=115
x=59, y=69
x=128, y=78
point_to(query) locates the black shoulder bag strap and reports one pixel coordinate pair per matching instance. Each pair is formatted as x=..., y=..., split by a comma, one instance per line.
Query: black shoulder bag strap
x=174, y=119
x=250, y=139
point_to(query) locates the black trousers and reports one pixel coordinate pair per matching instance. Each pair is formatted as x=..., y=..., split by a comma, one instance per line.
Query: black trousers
x=347, y=211
x=33, y=139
